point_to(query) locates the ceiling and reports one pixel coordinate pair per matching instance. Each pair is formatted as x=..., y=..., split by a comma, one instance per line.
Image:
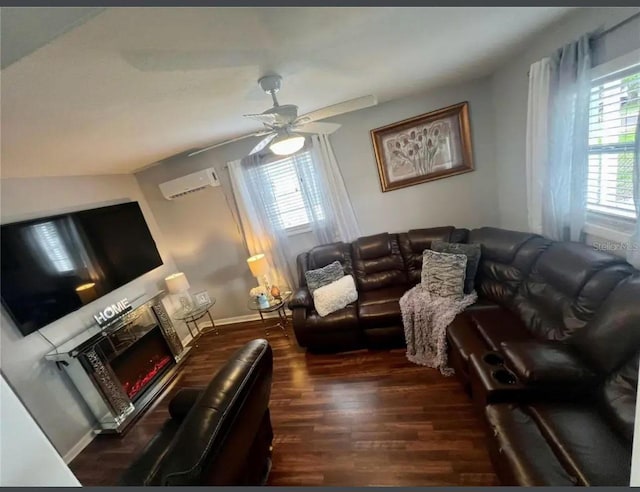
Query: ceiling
x=115, y=90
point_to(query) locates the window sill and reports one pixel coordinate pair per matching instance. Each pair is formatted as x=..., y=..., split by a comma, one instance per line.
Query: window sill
x=612, y=228
x=295, y=231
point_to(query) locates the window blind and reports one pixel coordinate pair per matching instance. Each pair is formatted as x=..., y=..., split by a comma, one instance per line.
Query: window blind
x=289, y=206
x=613, y=114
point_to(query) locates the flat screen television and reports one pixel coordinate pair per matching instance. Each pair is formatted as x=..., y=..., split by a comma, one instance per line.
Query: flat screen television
x=54, y=265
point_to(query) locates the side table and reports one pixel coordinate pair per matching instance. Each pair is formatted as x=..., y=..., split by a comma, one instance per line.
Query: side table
x=193, y=315
x=275, y=305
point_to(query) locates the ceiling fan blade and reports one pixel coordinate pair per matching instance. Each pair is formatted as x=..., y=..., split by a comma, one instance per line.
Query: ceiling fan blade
x=317, y=127
x=263, y=143
x=228, y=141
x=266, y=118
x=336, y=109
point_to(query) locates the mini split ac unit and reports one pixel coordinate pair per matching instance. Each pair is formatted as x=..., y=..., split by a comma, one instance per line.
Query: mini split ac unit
x=189, y=183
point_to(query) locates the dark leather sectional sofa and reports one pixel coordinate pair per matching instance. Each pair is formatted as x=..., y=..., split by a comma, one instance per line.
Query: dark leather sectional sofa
x=218, y=435
x=549, y=353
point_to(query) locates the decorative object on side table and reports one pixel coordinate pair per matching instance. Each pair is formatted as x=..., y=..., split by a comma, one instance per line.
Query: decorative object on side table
x=177, y=284
x=423, y=148
x=272, y=305
x=275, y=292
x=201, y=298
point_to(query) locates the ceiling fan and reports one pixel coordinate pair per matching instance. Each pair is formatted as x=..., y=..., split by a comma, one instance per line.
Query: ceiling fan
x=282, y=125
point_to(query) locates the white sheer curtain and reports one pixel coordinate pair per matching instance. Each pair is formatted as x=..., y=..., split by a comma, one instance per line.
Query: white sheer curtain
x=537, y=150
x=326, y=204
x=339, y=222
x=261, y=234
x=565, y=185
x=633, y=253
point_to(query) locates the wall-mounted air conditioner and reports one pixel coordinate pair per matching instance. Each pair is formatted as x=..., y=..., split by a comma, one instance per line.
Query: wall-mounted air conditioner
x=189, y=183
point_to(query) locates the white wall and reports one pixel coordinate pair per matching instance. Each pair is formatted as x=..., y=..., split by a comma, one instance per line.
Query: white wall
x=206, y=244
x=466, y=200
x=510, y=87
x=27, y=458
x=50, y=397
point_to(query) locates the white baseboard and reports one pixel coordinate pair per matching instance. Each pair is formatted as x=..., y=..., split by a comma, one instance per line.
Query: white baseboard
x=79, y=446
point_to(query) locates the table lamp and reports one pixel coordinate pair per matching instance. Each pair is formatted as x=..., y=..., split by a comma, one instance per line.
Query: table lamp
x=87, y=292
x=178, y=284
x=259, y=267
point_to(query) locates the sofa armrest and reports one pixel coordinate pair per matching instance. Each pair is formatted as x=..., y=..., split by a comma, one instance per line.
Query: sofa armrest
x=301, y=298
x=547, y=363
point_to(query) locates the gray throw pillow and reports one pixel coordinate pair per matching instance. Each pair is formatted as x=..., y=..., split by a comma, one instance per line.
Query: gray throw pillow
x=323, y=276
x=443, y=273
x=471, y=251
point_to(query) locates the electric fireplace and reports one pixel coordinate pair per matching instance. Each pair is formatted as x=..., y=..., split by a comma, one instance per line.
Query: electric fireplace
x=120, y=369
x=142, y=363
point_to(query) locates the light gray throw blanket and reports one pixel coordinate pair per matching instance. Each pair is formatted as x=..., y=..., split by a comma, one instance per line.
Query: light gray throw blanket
x=425, y=318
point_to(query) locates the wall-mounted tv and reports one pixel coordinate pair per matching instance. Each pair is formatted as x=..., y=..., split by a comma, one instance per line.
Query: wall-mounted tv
x=54, y=265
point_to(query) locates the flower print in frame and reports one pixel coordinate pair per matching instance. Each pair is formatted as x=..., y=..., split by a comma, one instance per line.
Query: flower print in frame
x=423, y=148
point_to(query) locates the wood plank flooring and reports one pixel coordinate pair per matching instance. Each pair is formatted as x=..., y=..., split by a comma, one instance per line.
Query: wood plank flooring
x=354, y=419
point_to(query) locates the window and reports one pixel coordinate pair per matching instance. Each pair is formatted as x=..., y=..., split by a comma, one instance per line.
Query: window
x=288, y=206
x=613, y=116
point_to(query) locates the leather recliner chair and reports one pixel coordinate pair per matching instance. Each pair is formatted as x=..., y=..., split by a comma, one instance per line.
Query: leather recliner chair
x=219, y=435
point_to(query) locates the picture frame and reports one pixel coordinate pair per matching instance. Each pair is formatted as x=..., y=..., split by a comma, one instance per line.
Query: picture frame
x=201, y=298
x=424, y=148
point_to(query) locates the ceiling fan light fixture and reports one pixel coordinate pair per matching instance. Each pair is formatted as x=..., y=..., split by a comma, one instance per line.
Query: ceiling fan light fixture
x=287, y=144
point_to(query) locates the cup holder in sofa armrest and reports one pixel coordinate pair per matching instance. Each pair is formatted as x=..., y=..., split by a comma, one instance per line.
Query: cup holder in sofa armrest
x=504, y=376
x=493, y=359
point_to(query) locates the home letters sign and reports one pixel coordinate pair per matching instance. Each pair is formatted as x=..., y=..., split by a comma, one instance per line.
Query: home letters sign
x=112, y=312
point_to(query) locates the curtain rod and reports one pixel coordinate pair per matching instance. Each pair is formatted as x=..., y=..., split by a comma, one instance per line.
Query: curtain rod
x=617, y=26
x=612, y=28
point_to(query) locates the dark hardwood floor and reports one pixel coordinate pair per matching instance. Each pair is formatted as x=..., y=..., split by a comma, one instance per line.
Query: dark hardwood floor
x=359, y=418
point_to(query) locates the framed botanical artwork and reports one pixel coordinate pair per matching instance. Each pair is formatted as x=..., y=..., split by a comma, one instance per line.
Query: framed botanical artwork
x=423, y=148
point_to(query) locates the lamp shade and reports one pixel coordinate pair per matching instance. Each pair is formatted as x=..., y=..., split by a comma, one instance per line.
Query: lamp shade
x=258, y=265
x=177, y=283
x=287, y=144
x=87, y=292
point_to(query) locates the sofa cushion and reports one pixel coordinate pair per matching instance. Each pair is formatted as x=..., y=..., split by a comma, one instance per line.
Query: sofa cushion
x=343, y=319
x=584, y=442
x=471, y=251
x=443, y=274
x=323, y=276
x=566, y=287
x=378, y=263
x=613, y=335
x=380, y=307
x=498, y=325
x=335, y=332
x=507, y=257
x=521, y=450
x=413, y=243
x=548, y=363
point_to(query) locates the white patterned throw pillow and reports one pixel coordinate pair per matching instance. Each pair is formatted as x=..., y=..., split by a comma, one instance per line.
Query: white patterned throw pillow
x=443, y=273
x=335, y=296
